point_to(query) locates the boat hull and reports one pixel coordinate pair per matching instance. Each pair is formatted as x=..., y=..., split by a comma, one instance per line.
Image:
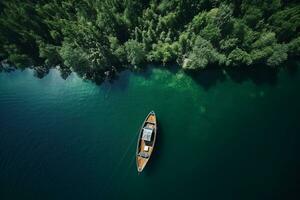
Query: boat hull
x=145, y=148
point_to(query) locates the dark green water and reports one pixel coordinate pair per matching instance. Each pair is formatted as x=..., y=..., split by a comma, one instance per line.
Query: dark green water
x=221, y=136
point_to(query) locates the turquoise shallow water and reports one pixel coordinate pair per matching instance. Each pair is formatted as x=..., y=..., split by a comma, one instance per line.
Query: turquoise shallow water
x=222, y=135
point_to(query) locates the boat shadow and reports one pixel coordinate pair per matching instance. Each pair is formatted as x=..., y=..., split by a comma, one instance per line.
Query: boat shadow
x=157, y=153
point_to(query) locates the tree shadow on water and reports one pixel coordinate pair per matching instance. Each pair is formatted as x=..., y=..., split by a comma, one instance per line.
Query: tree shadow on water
x=208, y=77
x=292, y=67
x=144, y=72
x=120, y=81
x=147, y=71
x=258, y=74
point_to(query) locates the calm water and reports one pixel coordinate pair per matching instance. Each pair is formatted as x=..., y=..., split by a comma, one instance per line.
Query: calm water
x=231, y=135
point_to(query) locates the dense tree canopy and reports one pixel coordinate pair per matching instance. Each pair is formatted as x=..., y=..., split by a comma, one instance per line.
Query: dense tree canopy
x=92, y=36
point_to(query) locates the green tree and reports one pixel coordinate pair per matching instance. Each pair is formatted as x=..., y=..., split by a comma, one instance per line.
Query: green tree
x=286, y=23
x=238, y=57
x=294, y=47
x=91, y=37
x=75, y=58
x=202, y=54
x=135, y=52
x=278, y=56
x=50, y=53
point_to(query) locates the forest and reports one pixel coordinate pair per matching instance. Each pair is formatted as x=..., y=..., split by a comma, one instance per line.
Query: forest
x=93, y=37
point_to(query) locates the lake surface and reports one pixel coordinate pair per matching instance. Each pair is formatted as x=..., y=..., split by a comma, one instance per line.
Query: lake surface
x=222, y=135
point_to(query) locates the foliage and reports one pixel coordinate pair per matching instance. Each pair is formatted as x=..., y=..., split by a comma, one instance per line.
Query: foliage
x=286, y=23
x=74, y=57
x=237, y=57
x=202, y=54
x=90, y=37
x=294, y=47
x=278, y=56
x=135, y=52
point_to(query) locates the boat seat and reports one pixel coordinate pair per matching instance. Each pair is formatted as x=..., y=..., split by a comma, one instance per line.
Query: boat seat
x=144, y=154
x=146, y=148
x=150, y=125
x=148, y=143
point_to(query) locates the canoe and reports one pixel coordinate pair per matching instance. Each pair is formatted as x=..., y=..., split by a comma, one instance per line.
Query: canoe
x=146, y=141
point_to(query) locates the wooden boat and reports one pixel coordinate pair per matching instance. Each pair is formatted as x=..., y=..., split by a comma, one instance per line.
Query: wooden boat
x=146, y=141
